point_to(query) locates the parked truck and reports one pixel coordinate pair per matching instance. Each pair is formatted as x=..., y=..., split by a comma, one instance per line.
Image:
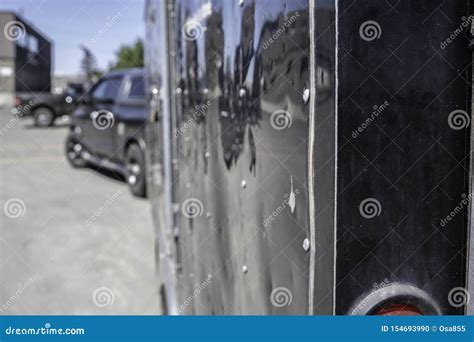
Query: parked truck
x=46, y=107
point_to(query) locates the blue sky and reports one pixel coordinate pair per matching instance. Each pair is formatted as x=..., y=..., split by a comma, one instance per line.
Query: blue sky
x=102, y=24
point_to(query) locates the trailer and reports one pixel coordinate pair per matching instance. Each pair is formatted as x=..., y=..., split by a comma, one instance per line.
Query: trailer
x=310, y=156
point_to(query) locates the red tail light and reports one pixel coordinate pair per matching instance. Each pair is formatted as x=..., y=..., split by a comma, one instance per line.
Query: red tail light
x=399, y=310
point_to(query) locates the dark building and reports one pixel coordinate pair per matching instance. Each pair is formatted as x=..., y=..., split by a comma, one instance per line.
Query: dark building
x=25, y=58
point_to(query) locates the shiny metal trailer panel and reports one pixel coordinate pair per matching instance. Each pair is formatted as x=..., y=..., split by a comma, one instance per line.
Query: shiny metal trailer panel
x=303, y=163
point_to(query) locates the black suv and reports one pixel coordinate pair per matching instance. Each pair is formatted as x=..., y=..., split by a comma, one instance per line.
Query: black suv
x=107, y=128
x=46, y=107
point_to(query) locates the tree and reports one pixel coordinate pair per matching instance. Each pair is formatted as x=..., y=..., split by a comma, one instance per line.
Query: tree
x=89, y=64
x=129, y=56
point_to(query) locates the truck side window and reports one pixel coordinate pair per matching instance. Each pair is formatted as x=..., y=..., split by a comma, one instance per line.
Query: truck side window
x=108, y=89
x=137, y=87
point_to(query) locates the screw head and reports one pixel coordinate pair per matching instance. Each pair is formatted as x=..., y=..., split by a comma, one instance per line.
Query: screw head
x=245, y=269
x=306, y=95
x=306, y=245
x=243, y=184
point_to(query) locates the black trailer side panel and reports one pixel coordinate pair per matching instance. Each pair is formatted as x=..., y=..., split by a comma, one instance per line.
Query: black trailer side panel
x=403, y=139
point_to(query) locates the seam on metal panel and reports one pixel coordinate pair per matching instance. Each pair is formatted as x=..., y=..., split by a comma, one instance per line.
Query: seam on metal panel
x=312, y=110
x=336, y=103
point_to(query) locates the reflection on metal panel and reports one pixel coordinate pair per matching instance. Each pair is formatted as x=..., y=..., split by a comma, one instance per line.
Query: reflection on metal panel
x=242, y=122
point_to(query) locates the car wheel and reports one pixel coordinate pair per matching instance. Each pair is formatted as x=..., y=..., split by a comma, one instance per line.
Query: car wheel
x=135, y=170
x=74, y=151
x=44, y=117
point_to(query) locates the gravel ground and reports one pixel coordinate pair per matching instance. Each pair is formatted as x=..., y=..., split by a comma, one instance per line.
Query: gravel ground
x=82, y=244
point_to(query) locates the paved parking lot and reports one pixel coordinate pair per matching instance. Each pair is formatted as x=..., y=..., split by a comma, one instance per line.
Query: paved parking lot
x=71, y=241
x=81, y=244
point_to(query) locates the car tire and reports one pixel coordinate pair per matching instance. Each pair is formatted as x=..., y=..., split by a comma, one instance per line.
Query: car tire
x=44, y=117
x=135, y=173
x=74, y=152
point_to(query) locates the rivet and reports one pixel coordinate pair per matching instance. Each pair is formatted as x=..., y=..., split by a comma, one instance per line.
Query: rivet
x=306, y=245
x=242, y=92
x=245, y=269
x=154, y=91
x=218, y=62
x=207, y=155
x=224, y=114
x=306, y=94
x=176, y=207
x=243, y=184
x=179, y=90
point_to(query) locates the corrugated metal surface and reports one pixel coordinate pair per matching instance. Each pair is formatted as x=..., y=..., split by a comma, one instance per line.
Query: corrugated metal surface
x=7, y=47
